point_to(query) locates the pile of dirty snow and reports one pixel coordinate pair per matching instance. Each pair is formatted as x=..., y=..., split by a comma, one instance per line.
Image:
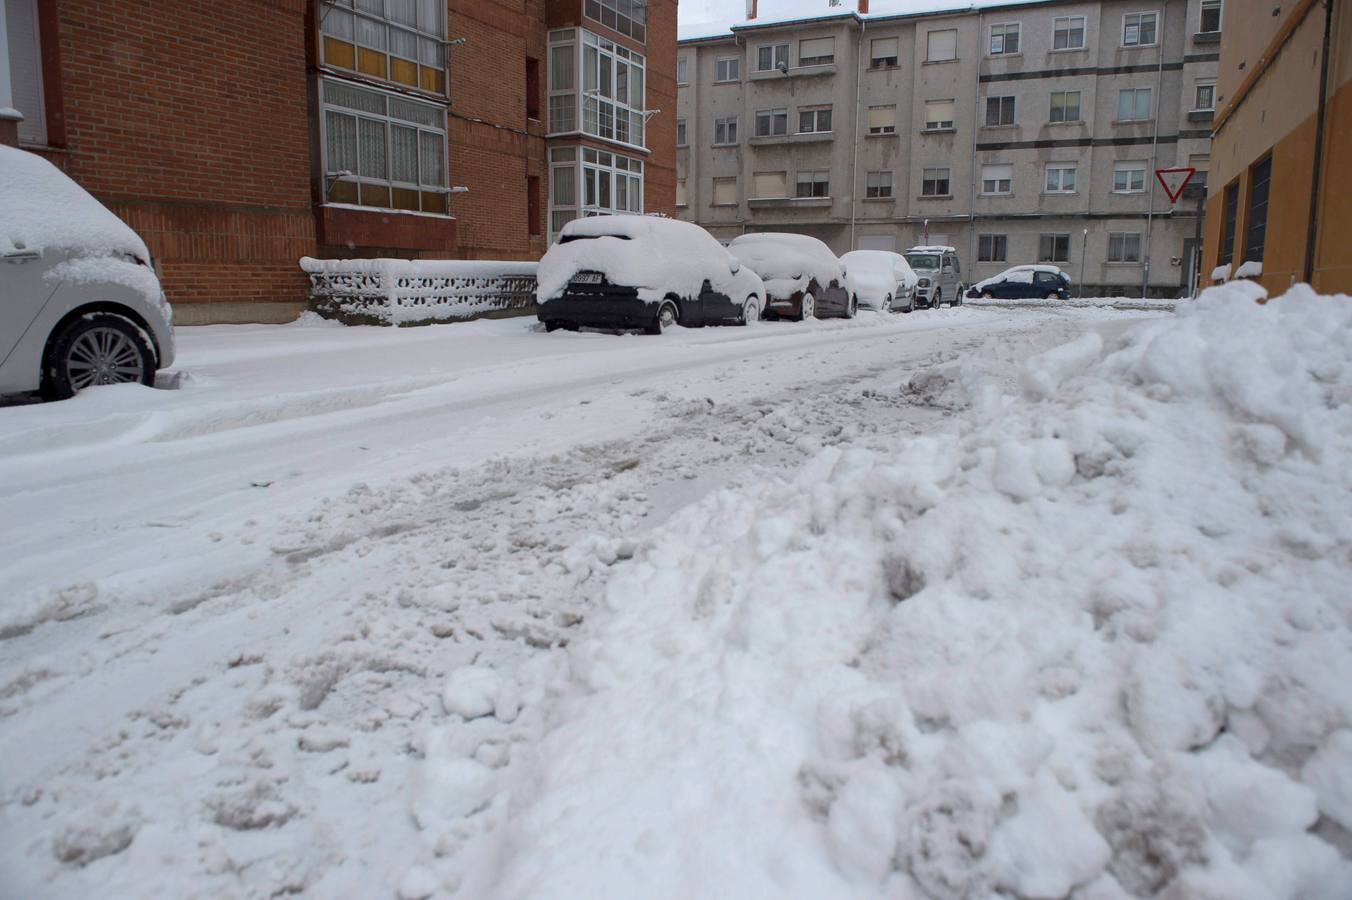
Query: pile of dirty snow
x=1097, y=641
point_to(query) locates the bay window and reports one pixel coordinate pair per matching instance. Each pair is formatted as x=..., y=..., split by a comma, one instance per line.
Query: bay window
x=402, y=41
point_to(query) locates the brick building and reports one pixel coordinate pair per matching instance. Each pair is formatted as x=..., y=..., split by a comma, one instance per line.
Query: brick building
x=236, y=138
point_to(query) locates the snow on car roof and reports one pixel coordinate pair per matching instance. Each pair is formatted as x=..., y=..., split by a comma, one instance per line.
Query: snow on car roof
x=41, y=207
x=628, y=226
x=777, y=253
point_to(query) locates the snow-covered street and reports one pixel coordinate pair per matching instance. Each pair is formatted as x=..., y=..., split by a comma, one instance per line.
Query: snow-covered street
x=474, y=610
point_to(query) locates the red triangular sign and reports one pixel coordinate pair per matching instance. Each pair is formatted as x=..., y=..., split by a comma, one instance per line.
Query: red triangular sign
x=1174, y=181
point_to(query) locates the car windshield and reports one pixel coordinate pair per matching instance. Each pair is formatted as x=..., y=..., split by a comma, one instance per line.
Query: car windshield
x=923, y=260
x=569, y=238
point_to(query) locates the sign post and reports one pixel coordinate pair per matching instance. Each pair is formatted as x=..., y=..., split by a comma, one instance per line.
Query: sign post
x=1175, y=180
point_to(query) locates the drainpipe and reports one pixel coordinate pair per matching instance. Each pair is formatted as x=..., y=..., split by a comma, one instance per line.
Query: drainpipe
x=854, y=162
x=1311, y=237
x=9, y=116
x=1154, y=157
x=975, y=180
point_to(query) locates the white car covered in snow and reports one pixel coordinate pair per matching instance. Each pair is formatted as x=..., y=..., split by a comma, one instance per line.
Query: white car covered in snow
x=880, y=279
x=802, y=276
x=79, y=303
x=645, y=272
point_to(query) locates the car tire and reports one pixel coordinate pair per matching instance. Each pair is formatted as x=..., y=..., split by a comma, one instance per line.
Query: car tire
x=987, y=295
x=750, y=311
x=807, y=309
x=851, y=307
x=668, y=316
x=887, y=303
x=938, y=300
x=96, y=348
x=553, y=325
x=1052, y=297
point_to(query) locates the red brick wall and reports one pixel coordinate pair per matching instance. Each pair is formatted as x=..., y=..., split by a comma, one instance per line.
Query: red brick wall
x=195, y=130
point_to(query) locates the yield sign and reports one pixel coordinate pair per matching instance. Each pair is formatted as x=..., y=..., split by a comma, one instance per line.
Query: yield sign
x=1174, y=181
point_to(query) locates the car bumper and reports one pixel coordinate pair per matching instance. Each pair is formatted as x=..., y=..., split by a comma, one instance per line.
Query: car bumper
x=606, y=307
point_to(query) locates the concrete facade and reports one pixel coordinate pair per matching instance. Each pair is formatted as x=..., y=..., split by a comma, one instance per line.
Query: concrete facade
x=212, y=131
x=1082, y=227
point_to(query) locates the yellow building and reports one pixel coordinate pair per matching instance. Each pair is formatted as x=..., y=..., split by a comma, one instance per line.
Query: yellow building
x=1280, y=179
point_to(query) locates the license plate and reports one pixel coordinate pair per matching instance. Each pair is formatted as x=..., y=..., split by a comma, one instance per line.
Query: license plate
x=587, y=278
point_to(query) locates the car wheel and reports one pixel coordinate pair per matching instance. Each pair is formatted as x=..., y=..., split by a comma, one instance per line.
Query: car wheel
x=987, y=295
x=667, y=317
x=938, y=300
x=887, y=303
x=852, y=307
x=98, y=348
x=553, y=325
x=807, y=309
x=750, y=310
x=1052, y=297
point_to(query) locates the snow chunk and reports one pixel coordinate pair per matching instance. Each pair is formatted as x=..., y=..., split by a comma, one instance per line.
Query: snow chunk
x=471, y=692
x=1049, y=846
x=1329, y=772
x=444, y=789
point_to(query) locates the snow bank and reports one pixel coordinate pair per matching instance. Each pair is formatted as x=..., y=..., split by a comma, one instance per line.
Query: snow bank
x=1094, y=641
x=659, y=256
x=42, y=208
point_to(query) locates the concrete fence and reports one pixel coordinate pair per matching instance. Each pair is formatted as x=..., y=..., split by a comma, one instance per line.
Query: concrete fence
x=419, y=291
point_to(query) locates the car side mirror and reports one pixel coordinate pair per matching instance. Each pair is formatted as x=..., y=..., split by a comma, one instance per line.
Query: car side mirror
x=734, y=264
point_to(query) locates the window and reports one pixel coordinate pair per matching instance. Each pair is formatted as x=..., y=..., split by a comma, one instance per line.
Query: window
x=934, y=183
x=1004, y=39
x=938, y=114
x=772, y=121
x=25, y=70
x=625, y=16
x=392, y=148
x=1061, y=179
x=612, y=89
x=1068, y=33
x=999, y=111
x=878, y=185
x=681, y=198
x=610, y=183
x=991, y=247
x=729, y=68
x=770, y=185
x=1211, y=16
x=680, y=133
x=1138, y=29
x=1205, y=98
x=562, y=82
x=997, y=179
x=1053, y=248
x=1128, y=178
x=1133, y=104
x=725, y=191
x=534, y=221
x=882, y=120
x=397, y=40
x=1229, y=212
x=1065, y=106
x=814, y=184
x=1259, y=178
x=814, y=121
x=563, y=183
x=941, y=45
x=816, y=51
x=682, y=71
x=1124, y=247
x=1201, y=162
x=771, y=57
x=725, y=130
x=883, y=52
x=533, y=90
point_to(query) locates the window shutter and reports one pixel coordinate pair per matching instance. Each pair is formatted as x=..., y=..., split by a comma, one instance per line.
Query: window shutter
x=25, y=69
x=938, y=111
x=816, y=47
x=999, y=173
x=882, y=117
x=771, y=184
x=884, y=48
x=725, y=190
x=680, y=193
x=943, y=45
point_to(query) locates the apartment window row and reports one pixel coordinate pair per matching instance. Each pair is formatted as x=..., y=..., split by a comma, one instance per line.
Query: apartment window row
x=610, y=91
x=808, y=183
x=811, y=52
x=401, y=41
x=628, y=17
x=382, y=150
x=1123, y=247
x=1133, y=105
x=1139, y=29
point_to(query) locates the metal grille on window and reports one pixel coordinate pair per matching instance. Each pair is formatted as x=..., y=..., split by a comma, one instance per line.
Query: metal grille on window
x=1260, y=178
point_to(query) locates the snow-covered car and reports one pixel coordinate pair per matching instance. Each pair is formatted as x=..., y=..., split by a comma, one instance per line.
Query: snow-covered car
x=802, y=276
x=79, y=302
x=1040, y=281
x=880, y=279
x=647, y=272
x=939, y=273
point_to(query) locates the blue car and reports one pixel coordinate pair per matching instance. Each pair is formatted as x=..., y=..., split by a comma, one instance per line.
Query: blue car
x=1024, y=282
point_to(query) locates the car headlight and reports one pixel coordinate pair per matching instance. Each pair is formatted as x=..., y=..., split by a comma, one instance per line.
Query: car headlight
x=924, y=282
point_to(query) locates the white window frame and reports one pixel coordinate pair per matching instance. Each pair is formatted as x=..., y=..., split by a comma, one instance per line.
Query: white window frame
x=1136, y=93
x=996, y=186
x=682, y=70
x=728, y=125
x=1140, y=20
x=1061, y=188
x=388, y=120
x=1002, y=240
x=819, y=59
x=772, y=114
x=1013, y=115
x=1004, y=39
x=731, y=62
x=816, y=113
x=1079, y=110
x=587, y=166
x=814, y=177
x=894, y=56
x=682, y=134
x=1057, y=237
x=882, y=129
x=926, y=177
x=929, y=40
x=941, y=124
x=1121, y=237
x=1069, y=29
x=778, y=53
x=621, y=16
x=429, y=38
x=876, y=187
x=1132, y=185
x=1204, y=84
x=1220, y=16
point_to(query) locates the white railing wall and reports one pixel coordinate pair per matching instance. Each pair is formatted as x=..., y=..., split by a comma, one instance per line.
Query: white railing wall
x=418, y=292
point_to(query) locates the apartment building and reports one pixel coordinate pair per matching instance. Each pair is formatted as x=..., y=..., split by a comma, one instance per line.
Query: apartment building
x=1019, y=134
x=1282, y=151
x=237, y=138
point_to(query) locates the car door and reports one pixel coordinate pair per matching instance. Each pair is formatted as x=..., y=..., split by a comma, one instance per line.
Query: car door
x=23, y=290
x=715, y=306
x=1045, y=283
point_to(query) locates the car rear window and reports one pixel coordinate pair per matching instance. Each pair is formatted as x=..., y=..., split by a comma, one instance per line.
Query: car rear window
x=569, y=238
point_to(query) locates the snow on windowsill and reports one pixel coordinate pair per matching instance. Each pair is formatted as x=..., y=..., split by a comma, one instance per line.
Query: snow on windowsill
x=1249, y=269
x=1221, y=273
x=381, y=211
